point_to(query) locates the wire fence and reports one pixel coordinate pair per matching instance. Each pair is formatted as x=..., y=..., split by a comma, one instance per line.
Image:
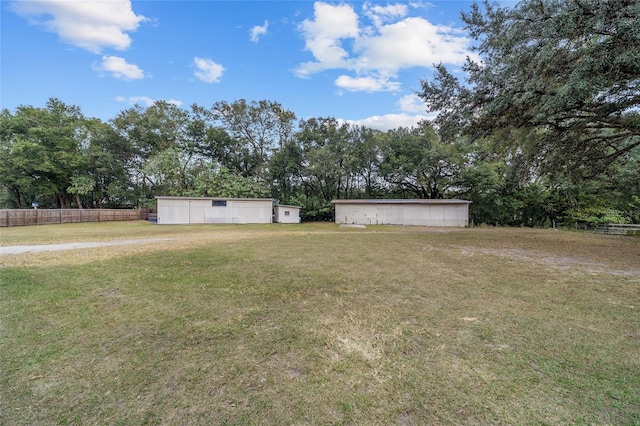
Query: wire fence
x=618, y=229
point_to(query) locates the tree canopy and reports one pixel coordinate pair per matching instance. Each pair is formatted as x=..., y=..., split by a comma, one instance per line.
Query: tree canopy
x=566, y=73
x=543, y=130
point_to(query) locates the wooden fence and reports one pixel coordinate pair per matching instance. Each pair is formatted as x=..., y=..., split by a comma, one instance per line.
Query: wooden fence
x=27, y=217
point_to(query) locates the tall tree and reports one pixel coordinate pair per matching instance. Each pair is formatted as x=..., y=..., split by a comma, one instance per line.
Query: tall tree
x=261, y=127
x=363, y=163
x=41, y=152
x=105, y=179
x=417, y=164
x=324, y=143
x=565, y=71
x=211, y=180
x=153, y=129
x=159, y=134
x=286, y=170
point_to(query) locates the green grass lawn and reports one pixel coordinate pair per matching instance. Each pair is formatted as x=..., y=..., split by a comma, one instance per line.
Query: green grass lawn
x=315, y=324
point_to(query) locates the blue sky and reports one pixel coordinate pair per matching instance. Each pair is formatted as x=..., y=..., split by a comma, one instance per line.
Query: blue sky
x=356, y=61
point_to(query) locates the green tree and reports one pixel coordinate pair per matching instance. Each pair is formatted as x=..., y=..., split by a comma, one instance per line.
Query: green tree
x=212, y=180
x=260, y=128
x=41, y=152
x=417, y=164
x=81, y=185
x=612, y=197
x=286, y=172
x=324, y=143
x=110, y=164
x=210, y=141
x=164, y=140
x=565, y=72
x=483, y=182
x=365, y=156
x=153, y=129
x=168, y=172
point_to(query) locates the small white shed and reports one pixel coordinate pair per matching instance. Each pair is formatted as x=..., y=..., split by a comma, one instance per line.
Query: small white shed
x=402, y=212
x=286, y=214
x=186, y=210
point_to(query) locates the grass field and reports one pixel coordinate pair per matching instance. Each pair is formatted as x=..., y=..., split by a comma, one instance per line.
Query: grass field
x=315, y=324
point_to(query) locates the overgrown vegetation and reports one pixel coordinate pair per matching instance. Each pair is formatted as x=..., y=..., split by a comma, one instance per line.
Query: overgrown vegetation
x=323, y=325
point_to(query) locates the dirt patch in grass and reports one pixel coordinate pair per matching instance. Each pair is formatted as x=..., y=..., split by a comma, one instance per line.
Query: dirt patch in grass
x=545, y=259
x=586, y=252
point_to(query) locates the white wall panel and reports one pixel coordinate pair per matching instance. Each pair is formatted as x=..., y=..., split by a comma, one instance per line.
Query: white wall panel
x=411, y=213
x=203, y=210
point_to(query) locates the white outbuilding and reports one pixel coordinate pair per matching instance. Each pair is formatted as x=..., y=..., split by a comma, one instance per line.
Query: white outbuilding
x=417, y=212
x=186, y=210
x=286, y=214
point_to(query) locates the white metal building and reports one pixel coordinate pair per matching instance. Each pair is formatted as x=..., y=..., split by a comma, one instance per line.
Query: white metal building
x=416, y=212
x=185, y=210
x=286, y=214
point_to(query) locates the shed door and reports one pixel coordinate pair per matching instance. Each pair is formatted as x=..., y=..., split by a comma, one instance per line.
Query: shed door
x=196, y=211
x=241, y=212
x=250, y=212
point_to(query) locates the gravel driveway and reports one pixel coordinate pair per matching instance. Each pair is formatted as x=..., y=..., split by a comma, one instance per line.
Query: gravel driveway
x=72, y=246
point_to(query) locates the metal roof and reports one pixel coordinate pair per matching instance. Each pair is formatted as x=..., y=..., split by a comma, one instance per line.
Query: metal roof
x=402, y=201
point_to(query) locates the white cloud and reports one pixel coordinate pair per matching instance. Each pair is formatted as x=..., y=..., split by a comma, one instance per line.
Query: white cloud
x=144, y=100
x=380, y=14
x=375, y=53
x=412, y=42
x=366, y=84
x=207, y=70
x=119, y=68
x=323, y=34
x=389, y=121
x=91, y=25
x=412, y=112
x=258, y=31
x=412, y=103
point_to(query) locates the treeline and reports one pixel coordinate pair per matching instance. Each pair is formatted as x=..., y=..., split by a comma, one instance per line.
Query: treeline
x=543, y=130
x=59, y=158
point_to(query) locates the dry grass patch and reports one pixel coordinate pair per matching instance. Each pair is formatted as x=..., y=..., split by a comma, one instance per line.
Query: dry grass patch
x=318, y=325
x=141, y=237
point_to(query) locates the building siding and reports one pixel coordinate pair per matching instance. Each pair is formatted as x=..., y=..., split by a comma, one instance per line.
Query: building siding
x=184, y=210
x=397, y=212
x=281, y=216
